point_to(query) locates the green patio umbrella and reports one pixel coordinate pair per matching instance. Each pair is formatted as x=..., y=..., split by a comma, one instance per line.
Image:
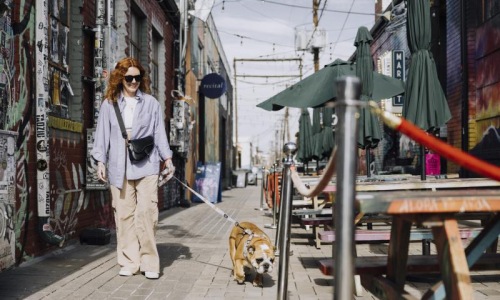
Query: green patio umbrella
x=305, y=144
x=327, y=132
x=318, y=88
x=424, y=104
x=369, y=133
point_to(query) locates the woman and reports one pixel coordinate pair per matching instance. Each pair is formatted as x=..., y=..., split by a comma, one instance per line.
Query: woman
x=133, y=185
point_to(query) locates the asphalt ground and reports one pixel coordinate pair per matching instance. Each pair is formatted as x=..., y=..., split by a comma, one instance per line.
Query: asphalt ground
x=195, y=263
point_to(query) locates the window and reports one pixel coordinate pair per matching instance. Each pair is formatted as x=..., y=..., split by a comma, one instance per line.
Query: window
x=155, y=61
x=201, y=59
x=491, y=9
x=58, y=58
x=135, y=37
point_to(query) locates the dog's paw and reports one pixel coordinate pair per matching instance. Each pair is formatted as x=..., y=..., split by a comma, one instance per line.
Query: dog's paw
x=257, y=283
x=239, y=279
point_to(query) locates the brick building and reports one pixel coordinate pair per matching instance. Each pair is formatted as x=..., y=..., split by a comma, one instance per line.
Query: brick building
x=464, y=45
x=54, y=59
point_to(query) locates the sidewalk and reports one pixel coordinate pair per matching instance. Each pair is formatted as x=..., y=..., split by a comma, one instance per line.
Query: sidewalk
x=195, y=263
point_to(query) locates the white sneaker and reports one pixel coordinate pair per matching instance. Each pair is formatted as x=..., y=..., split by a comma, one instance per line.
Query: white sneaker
x=125, y=273
x=152, y=275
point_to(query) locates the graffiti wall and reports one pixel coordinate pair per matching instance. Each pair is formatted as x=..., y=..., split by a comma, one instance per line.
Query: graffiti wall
x=7, y=198
x=484, y=115
x=71, y=207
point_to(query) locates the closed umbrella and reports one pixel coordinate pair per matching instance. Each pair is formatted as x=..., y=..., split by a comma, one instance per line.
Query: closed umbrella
x=369, y=127
x=318, y=88
x=425, y=103
x=305, y=145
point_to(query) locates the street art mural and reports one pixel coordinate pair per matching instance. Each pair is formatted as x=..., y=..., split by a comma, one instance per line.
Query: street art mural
x=487, y=101
x=7, y=198
x=18, y=191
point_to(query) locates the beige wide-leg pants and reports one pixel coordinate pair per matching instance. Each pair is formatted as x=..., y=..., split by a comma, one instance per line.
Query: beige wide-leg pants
x=136, y=216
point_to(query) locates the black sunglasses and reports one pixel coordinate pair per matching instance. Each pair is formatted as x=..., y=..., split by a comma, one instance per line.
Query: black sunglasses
x=129, y=78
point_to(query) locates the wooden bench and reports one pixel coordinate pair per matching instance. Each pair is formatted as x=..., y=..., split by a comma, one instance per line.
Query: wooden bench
x=377, y=265
x=384, y=235
x=328, y=220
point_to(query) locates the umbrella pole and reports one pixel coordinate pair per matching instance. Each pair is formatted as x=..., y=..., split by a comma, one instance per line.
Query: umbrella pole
x=368, y=171
x=422, y=162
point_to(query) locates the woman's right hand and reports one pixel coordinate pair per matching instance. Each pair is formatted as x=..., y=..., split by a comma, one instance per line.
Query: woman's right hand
x=101, y=171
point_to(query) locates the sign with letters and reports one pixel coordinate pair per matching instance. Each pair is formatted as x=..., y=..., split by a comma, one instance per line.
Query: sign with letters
x=213, y=85
x=398, y=64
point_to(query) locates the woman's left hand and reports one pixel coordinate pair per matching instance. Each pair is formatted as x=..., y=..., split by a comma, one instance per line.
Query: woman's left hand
x=169, y=166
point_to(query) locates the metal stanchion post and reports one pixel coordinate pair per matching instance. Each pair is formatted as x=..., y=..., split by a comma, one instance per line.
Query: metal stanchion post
x=263, y=182
x=273, y=225
x=349, y=90
x=285, y=220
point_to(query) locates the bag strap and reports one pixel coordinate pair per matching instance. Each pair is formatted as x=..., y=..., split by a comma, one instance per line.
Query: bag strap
x=120, y=120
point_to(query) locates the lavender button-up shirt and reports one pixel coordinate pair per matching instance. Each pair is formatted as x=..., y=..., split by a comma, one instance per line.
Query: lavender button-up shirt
x=109, y=144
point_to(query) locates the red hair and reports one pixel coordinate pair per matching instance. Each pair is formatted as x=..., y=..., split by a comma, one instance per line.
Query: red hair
x=115, y=84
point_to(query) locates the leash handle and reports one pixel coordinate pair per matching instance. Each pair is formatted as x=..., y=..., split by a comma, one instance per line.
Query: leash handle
x=218, y=210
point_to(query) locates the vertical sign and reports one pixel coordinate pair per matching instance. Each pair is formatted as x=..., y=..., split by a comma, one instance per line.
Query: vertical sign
x=99, y=57
x=42, y=91
x=398, y=64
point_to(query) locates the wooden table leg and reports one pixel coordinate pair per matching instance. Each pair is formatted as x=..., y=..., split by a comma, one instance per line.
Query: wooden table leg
x=452, y=261
x=473, y=252
x=397, y=257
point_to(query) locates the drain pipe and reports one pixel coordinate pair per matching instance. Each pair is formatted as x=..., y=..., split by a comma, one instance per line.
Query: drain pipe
x=42, y=137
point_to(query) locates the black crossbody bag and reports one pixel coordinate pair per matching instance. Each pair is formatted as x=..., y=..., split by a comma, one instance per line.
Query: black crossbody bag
x=138, y=149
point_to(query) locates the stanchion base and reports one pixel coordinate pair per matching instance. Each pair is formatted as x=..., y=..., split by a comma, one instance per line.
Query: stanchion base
x=272, y=226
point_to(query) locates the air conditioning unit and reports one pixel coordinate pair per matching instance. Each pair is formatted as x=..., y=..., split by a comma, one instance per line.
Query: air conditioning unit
x=308, y=40
x=300, y=39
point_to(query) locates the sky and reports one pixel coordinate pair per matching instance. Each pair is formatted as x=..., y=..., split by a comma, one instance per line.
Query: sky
x=265, y=30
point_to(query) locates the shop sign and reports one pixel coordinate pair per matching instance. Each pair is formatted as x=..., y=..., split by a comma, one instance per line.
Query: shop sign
x=398, y=63
x=213, y=86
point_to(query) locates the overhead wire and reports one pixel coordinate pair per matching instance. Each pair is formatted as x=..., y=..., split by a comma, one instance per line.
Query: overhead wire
x=343, y=25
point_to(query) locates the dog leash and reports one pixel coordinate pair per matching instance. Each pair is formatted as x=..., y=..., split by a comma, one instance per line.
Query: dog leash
x=246, y=231
x=218, y=210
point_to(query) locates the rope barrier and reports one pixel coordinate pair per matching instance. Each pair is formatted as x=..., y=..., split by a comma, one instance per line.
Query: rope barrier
x=420, y=136
x=323, y=180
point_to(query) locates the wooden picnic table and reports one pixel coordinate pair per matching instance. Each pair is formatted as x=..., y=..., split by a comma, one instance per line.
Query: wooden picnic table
x=437, y=210
x=386, y=183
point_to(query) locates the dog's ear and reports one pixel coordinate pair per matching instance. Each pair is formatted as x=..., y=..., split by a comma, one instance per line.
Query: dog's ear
x=251, y=250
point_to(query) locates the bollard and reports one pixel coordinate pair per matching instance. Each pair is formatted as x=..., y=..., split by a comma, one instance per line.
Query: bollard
x=348, y=91
x=285, y=220
x=263, y=182
x=273, y=225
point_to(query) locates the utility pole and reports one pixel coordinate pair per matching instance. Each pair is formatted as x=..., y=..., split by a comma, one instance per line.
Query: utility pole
x=315, y=22
x=316, y=49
